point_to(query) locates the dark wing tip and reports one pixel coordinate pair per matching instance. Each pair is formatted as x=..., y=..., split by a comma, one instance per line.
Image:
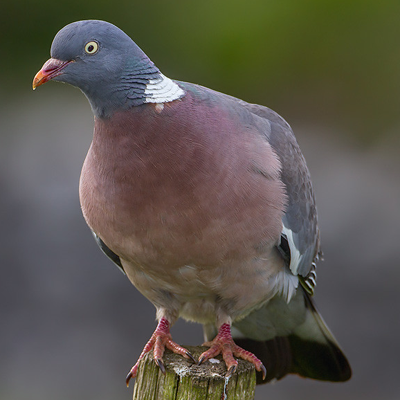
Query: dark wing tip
x=109, y=253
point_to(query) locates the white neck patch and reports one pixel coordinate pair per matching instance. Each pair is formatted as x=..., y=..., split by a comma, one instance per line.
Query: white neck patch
x=162, y=90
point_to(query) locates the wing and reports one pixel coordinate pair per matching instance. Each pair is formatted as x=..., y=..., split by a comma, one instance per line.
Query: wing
x=300, y=234
x=109, y=253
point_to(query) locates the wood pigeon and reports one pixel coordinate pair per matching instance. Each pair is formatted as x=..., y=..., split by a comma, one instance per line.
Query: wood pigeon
x=205, y=202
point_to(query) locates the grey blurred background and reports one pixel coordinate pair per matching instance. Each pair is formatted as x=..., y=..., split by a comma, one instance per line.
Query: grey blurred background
x=71, y=324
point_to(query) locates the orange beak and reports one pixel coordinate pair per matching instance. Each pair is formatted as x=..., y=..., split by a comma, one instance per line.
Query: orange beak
x=51, y=68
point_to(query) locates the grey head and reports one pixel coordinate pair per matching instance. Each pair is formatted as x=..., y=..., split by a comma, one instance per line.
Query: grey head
x=102, y=61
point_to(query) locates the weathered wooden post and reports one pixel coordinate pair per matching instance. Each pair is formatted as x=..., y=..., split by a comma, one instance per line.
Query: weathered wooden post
x=185, y=380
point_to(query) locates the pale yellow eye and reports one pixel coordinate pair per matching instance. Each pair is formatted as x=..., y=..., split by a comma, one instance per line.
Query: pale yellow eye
x=91, y=47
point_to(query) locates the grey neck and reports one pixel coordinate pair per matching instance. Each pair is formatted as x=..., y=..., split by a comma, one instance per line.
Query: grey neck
x=147, y=85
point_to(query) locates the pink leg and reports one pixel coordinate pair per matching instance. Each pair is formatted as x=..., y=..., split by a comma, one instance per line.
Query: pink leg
x=224, y=344
x=160, y=339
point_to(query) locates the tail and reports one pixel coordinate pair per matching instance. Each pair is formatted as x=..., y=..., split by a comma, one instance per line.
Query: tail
x=310, y=351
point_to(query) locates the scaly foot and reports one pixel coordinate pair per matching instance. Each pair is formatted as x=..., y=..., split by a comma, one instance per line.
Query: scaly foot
x=224, y=344
x=160, y=339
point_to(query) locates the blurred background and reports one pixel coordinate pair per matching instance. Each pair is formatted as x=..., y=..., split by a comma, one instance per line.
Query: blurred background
x=71, y=324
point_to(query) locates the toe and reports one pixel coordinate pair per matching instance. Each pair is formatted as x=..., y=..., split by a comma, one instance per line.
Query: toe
x=132, y=373
x=211, y=352
x=174, y=347
x=248, y=356
x=230, y=362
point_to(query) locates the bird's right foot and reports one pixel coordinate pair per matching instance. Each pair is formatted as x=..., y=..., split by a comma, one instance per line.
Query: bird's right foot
x=160, y=339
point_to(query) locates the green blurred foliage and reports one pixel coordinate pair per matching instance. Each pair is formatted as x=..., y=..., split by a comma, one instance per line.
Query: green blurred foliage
x=333, y=62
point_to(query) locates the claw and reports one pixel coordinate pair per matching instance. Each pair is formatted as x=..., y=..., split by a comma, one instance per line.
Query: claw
x=264, y=371
x=201, y=359
x=231, y=371
x=191, y=356
x=128, y=378
x=161, y=365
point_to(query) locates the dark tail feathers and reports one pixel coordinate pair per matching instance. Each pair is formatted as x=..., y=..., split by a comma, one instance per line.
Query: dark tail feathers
x=316, y=356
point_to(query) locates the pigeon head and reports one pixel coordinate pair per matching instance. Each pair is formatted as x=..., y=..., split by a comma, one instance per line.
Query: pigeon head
x=106, y=64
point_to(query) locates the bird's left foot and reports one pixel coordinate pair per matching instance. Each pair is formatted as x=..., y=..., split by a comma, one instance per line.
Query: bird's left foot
x=160, y=339
x=224, y=344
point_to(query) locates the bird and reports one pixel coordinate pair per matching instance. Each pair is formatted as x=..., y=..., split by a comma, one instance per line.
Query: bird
x=206, y=204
